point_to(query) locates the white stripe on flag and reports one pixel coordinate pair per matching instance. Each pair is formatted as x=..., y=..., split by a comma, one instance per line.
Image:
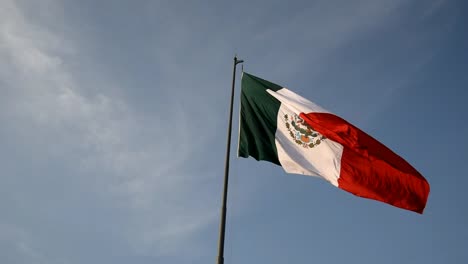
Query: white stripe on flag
x=322, y=160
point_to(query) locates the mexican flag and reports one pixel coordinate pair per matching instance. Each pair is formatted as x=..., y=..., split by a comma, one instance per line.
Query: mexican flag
x=281, y=127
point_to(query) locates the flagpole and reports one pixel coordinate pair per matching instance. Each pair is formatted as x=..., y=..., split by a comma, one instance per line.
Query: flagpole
x=222, y=225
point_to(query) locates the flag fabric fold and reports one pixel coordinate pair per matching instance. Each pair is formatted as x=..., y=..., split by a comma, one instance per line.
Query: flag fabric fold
x=282, y=127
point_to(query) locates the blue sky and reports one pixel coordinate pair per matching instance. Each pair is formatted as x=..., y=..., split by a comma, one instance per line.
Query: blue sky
x=113, y=119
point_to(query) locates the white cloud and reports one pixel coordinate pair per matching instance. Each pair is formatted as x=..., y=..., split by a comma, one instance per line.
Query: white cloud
x=98, y=136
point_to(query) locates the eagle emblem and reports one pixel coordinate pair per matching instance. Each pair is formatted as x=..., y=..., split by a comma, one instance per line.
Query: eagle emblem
x=301, y=132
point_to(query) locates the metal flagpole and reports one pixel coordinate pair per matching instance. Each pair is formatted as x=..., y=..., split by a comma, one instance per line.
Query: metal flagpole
x=222, y=225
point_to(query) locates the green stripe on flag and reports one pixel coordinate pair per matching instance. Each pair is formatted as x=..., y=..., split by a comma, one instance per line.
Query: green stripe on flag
x=258, y=118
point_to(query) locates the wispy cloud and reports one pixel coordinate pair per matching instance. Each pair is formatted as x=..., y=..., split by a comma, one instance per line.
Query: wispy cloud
x=126, y=160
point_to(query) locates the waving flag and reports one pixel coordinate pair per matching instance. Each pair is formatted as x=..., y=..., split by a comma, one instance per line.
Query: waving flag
x=282, y=127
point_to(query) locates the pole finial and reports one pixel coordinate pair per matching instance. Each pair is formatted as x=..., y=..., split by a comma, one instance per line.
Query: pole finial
x=237, y=61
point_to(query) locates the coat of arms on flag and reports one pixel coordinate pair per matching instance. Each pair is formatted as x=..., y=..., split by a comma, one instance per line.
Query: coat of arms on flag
x=301, y=132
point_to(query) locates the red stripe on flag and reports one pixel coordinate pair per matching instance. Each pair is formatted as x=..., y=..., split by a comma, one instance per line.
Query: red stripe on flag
x=368, y=168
